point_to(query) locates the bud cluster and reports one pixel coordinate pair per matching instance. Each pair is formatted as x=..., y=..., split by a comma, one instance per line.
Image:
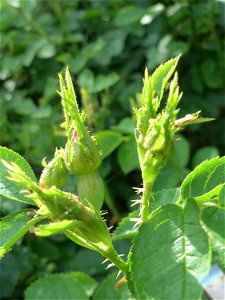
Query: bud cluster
x=81, y=156
x=156, y=125
x=155, y=130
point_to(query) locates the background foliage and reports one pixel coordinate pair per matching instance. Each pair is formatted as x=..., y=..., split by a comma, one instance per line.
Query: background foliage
x=107, y=45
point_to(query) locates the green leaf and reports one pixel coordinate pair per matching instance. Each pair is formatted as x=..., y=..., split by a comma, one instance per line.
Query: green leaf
x=87, y=261
x=181, y=152
x=24, y=107
x=108, y=141
x=44, y=249
x=17, y=264
x=203, y=154
x=88, y=51
x=103, y=82
x=128, y=15
x=191, y=119
x=54, y=228
x=125, y=126
x=8, y=207
x=10, y=189
x=177, y=47
x=162, y=75
x=86, y=281
x=170, y=176
x=214, y=220
x=222, y=196
x=219, y=253
x=164, y=197
x=205, y=181
x=128, y=156
x=107, y=290
x=48, y=50
x=170, y=255
x=31, y=51
x=86, y=79
x=126, y=228
x=57, y=287
x=14, y=226
x=210, y=73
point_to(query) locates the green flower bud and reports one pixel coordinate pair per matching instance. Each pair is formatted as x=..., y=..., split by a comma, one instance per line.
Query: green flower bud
x=55, y=172
x=66, y=206
x=81, y=153
x=91, y=188
x=156, y=129
x=156, y=148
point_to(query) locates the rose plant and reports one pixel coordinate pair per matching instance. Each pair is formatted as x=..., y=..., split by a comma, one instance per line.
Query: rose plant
x=176, y=233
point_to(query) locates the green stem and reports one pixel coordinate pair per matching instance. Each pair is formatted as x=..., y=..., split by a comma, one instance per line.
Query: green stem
x=145, y=201
x=116, y=260
x=109, y=252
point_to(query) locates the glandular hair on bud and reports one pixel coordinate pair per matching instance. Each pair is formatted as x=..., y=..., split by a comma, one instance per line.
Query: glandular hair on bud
x=91, y=188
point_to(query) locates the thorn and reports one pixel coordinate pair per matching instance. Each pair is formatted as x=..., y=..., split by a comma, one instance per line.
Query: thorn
x=118, y=274
x=109, y=266
x=134, y=219
x=104, y=212
x=135, y=202
x=121, y=281
x=121, y=255
x=111, y=227
x=138, y=190
x=138, y=223
x=137, y=220
x=104, y=261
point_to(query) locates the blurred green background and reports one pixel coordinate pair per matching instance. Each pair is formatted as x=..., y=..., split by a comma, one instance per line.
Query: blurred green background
x=107, y=45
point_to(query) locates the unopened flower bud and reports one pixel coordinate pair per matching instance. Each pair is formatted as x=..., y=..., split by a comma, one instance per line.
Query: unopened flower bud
x=81, y=154
x=55, y=172
x=91, y=188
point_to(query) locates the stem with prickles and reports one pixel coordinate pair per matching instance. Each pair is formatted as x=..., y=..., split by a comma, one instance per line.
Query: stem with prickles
x=116, y=260
x=145, y=201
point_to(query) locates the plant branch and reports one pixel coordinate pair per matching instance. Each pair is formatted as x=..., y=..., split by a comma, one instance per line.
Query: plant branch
x=145, y=201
